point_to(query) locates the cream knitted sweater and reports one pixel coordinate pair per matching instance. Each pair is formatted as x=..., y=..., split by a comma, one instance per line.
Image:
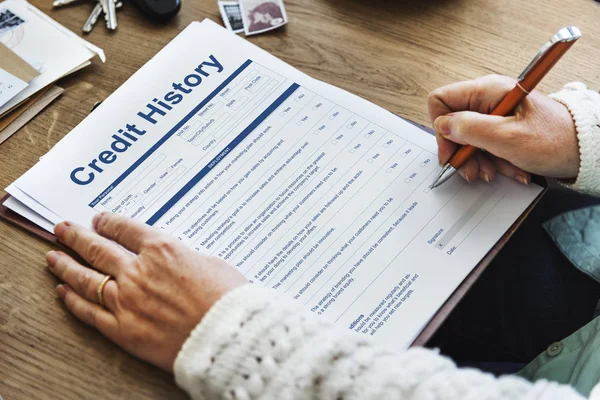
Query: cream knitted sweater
x=254, y=345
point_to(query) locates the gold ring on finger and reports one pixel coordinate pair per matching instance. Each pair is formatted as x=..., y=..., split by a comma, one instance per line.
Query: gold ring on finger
x=100, y=290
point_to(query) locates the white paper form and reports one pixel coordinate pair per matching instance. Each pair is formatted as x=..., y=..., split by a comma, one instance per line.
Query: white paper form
x=304, y=187
x=20, y=208
x=10, y=86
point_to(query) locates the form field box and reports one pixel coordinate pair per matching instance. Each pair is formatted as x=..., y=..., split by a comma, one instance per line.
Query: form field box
x=242, y=81
x=389, y=170
x=218, y=130
x=370, y=161
x=407, y=180
x=469, y=214
x=235, y=106
x=386, y=145
x=189, y=131
x=427, y=189
x=209, y=110
x=299, y=123
x=257, y=87
x=333, y=141
x=352, y=151
x=315, y=132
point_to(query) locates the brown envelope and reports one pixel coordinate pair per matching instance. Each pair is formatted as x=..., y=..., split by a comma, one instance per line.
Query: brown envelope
x=15, y=112
x=15, y=65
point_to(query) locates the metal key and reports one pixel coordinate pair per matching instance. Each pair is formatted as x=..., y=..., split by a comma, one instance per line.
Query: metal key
x=93, y=18
x=110, y=13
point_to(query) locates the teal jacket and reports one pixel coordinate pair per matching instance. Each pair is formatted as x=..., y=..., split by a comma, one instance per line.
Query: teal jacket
x=576, y=359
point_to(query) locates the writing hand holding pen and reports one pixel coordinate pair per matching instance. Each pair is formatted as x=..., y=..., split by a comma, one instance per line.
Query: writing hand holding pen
x=519, y=136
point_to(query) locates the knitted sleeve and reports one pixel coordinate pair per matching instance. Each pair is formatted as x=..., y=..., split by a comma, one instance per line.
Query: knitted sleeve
x=584, y=106
x=255, y=345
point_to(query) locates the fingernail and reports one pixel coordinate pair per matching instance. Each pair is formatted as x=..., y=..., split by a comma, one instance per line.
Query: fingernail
x=51, y=258
x=522, y=179
x=467, y=178
x=59, y=229
x=486, y=177
x=442, y=124
x=61, y=291
x=95, y=220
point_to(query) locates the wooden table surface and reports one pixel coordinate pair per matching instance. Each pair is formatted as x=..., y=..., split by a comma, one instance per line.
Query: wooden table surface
x=390, y=52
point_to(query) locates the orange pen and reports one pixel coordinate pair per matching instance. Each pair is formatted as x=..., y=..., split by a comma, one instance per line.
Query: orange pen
x=542, y=63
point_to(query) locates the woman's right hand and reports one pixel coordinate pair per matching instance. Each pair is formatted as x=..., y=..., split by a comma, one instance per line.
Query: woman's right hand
x=540, y=137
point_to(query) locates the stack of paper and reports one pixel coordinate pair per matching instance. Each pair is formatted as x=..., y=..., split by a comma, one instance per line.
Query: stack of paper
x=304, y=187
x=15, y=74
x=35, y=51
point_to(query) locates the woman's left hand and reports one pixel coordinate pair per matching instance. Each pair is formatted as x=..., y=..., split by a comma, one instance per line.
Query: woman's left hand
x=159, y=292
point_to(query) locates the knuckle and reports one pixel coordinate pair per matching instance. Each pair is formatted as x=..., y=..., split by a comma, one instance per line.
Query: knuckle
x=84, y=280
x=483, y=85
x=501, y=80
x=128, y=299
x=95, y=252
x=480, y=87
x=494, y=77
x=90, y=315
x=434, y=95
x=119, y=230
x=462, y=127
x=136, y=278
x=72, y=237
x=215, y=261
x=160, y=244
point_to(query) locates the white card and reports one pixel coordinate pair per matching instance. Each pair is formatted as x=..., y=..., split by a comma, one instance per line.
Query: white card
x=10, y=86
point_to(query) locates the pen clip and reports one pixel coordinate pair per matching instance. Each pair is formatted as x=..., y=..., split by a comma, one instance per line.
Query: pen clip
x=568, y=34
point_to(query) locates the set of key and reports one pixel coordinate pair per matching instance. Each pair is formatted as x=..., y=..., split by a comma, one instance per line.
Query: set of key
x=106, y=7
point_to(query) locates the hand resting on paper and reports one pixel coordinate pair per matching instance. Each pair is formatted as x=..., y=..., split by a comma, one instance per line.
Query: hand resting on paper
x=160, y=291
x=540, y=137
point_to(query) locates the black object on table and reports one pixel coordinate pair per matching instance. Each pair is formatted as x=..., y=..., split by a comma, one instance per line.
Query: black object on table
x=159, y=10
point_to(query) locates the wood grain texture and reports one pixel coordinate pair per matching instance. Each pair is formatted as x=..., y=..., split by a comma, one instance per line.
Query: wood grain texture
x=391, y=52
